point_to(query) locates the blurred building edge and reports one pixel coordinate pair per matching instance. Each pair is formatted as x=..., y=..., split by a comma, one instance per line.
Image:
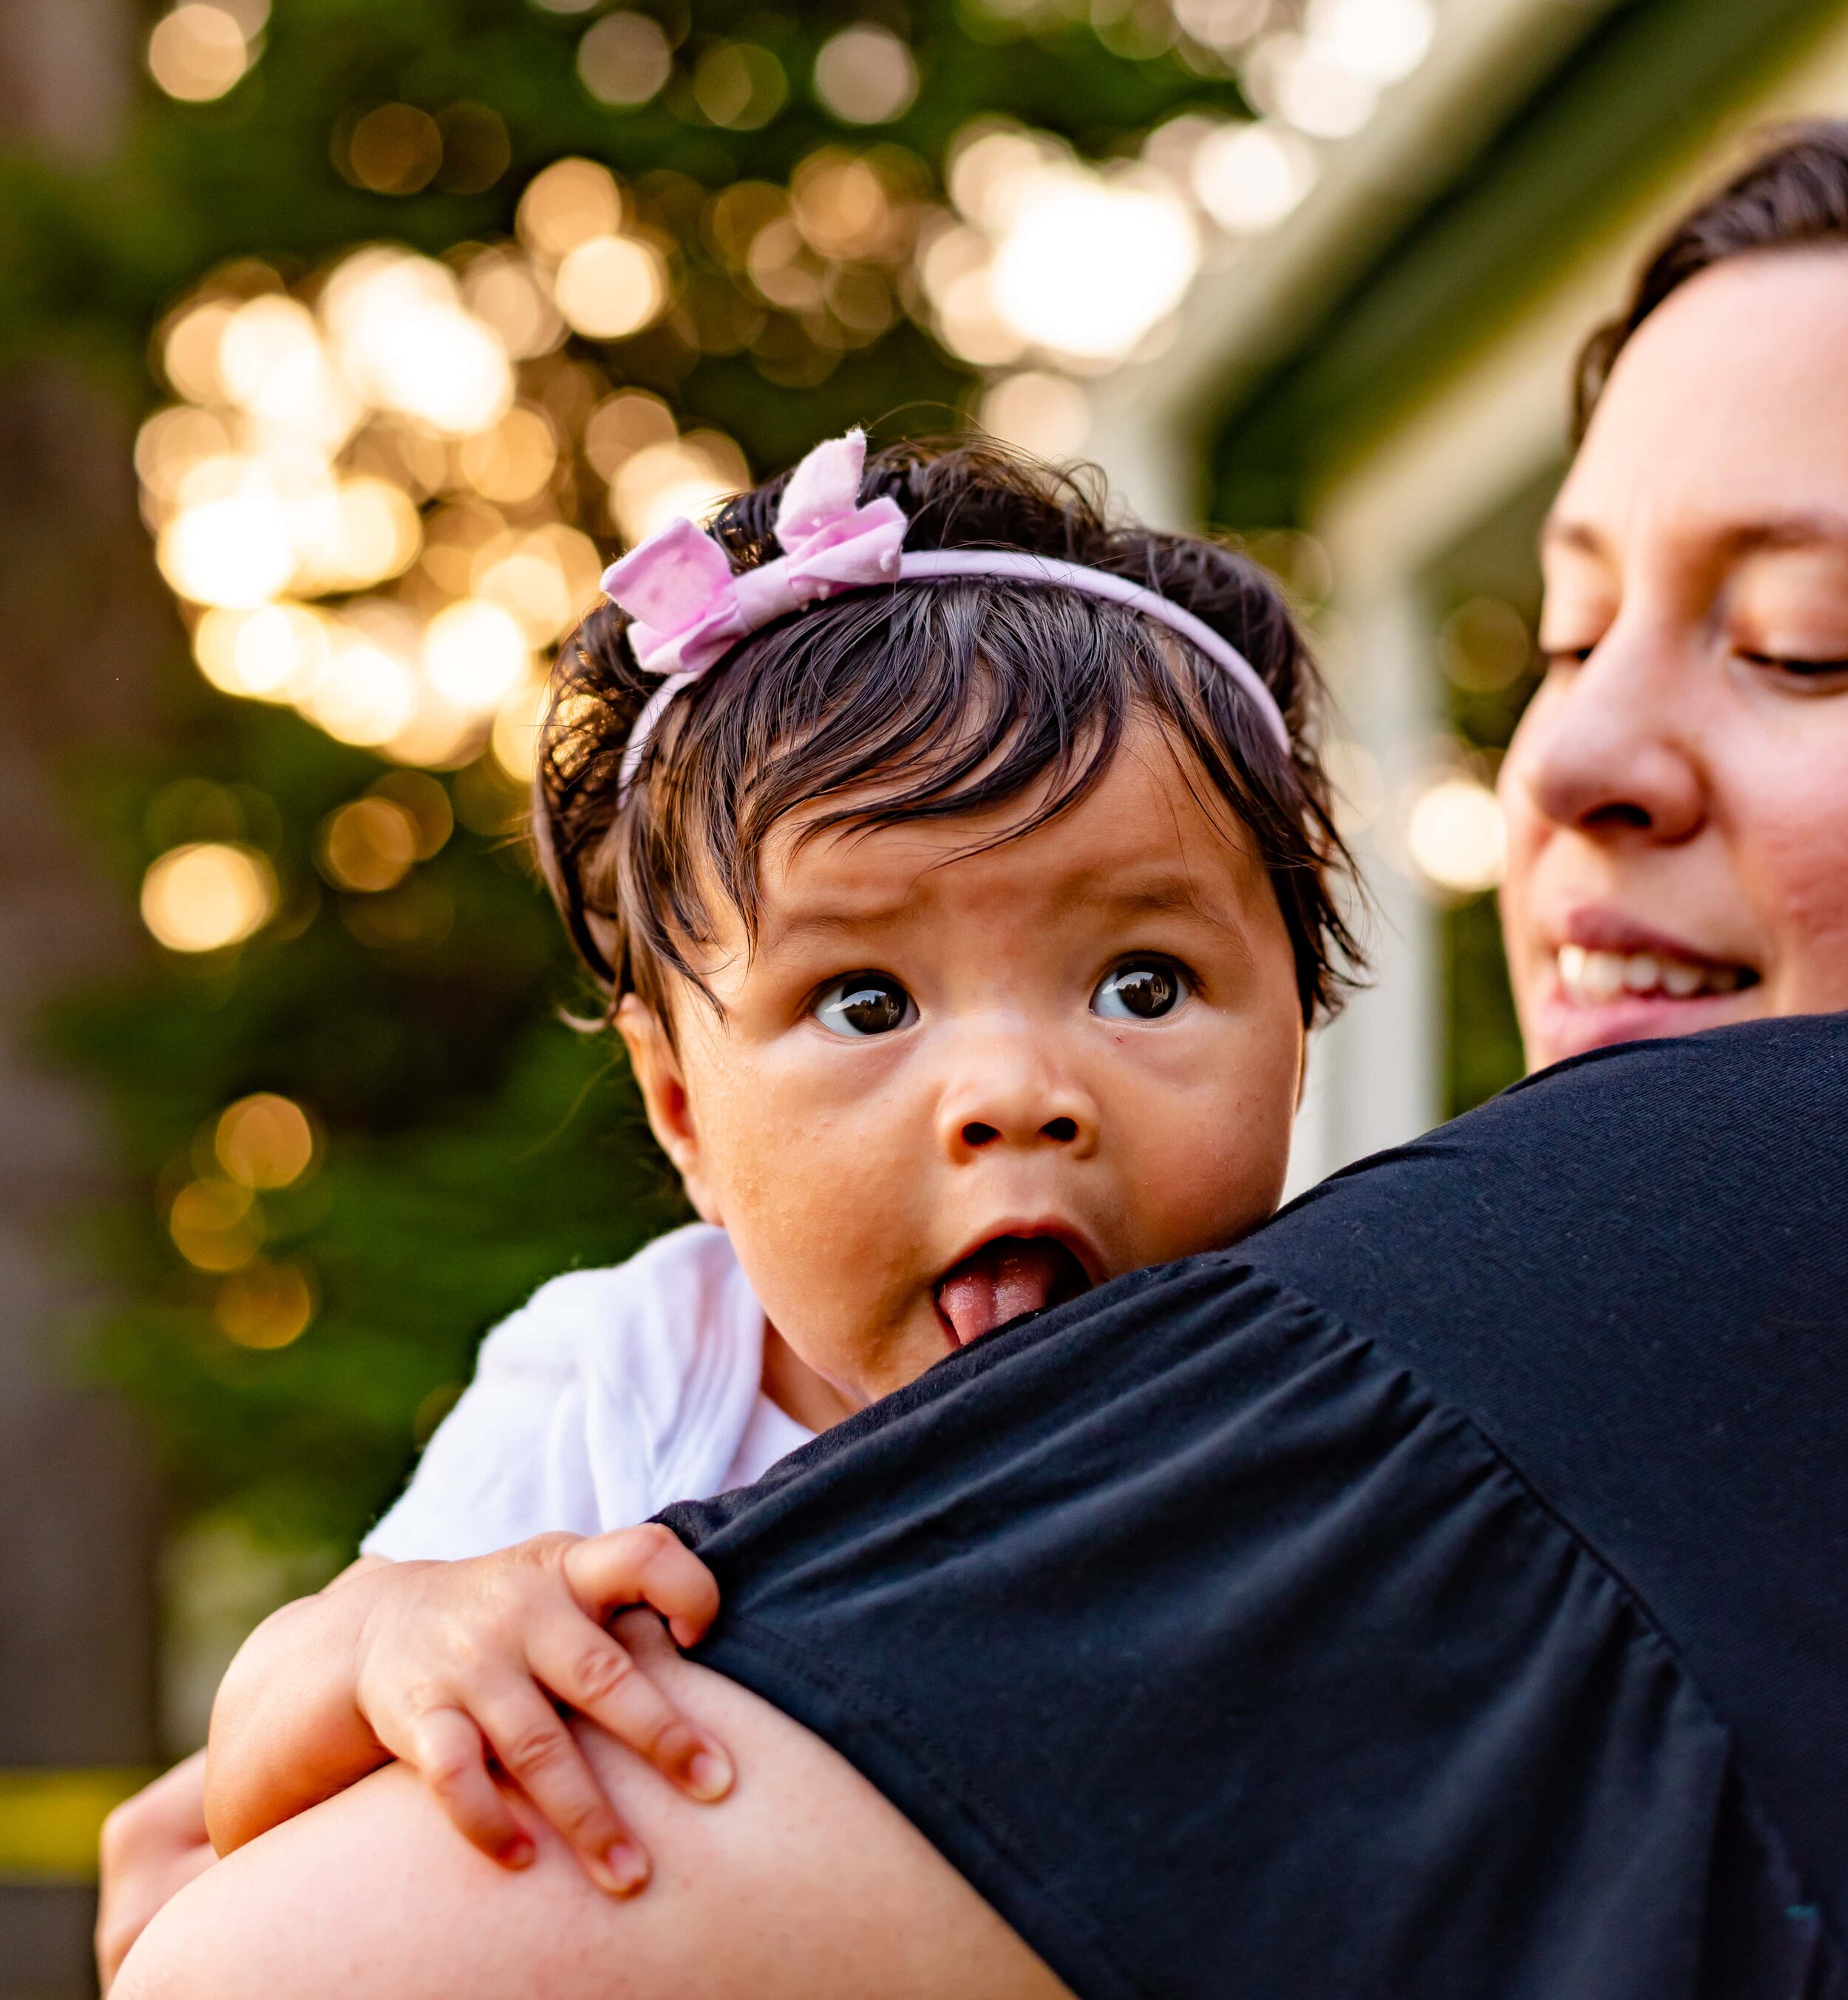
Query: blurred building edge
x=1389, y=372
x=79, y=618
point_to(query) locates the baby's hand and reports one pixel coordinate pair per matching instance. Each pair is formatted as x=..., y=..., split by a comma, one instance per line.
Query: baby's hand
x=459, y=1661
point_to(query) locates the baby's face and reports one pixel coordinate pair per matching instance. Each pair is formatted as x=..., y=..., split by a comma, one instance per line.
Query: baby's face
x=949, y=1088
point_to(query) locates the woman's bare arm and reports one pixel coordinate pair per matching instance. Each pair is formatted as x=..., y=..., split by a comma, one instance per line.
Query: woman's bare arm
x=804, y=1885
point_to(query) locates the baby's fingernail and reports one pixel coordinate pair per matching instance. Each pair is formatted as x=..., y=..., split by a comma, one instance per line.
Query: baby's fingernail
x=624, y=1869
x=709, y=1776
x=517, y=1852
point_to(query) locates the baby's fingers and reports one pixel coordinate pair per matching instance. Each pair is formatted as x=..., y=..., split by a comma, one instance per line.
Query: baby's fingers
x=444, y=1747
x=582, y=1665
x=647, y=1565
x=536, y=1751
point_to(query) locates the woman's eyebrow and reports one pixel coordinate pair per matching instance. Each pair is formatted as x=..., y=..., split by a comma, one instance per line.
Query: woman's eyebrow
x=1806, y=531
x=1811, y=528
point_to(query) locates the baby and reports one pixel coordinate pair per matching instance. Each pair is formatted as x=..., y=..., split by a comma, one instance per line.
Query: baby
x=962, y=885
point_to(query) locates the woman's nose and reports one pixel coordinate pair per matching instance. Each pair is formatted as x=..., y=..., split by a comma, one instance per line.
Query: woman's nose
x=1607, y=753
x=1011, y=1096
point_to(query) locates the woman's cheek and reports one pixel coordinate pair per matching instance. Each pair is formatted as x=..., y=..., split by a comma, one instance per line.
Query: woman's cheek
x=1802, y=865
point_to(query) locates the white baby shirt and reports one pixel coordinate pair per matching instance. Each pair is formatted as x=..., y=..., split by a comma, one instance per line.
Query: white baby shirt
x=609, y=1395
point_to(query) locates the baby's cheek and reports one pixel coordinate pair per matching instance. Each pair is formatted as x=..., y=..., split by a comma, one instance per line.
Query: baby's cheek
x=1233, y=1135
x=818, y=1223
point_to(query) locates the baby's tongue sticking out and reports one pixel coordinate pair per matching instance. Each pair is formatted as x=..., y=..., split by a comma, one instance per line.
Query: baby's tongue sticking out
x=1004, y=1279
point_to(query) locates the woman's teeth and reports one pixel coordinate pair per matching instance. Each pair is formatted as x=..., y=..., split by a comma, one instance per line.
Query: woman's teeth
x=1592, y=978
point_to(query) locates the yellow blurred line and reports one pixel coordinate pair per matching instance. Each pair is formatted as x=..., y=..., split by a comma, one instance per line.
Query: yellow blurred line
x=50, y=1820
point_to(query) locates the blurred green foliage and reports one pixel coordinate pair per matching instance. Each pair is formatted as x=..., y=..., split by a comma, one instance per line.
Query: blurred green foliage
x=472, y=1144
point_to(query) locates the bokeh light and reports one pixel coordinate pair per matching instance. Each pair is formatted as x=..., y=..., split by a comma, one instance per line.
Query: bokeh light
x=622, y=425
x=265, y=1305
x=365, y=690
x=513, y=462
x=207, y=895
x=232, y=548
x=427, y=802
x=393, y=149
x=865, y=75
x=215, y=1224
x=502, y=290
x=1456, y=835
x=515, y=739
x=624, y=59
x=841, y=206
x=475, y=653
x=740, y=84
x=197, y=52
x=264, y=1140
x=609, y=287
x=1301, y=81
x=1090, y=265
x=569, y=203
x=367, y=846
x=662, y=481
x=1485, y=645
x=408, y=344
x=1047, y=415
x=543, y=579
x=1379, y=40
x=271, y=653
x=189, y=348
x=1249, y=176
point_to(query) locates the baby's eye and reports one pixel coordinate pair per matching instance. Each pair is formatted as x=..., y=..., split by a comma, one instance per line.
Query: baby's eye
x=1143, y=990
x=865, y=1003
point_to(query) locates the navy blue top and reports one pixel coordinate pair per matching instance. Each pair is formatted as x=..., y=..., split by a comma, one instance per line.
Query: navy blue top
x=1444, y=1593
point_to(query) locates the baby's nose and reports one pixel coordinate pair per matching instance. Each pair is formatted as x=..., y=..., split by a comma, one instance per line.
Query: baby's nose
x=1020, y=1102
x=1061, y=1131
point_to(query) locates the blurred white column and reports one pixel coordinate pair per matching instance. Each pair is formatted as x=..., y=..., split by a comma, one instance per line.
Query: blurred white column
x=1375, y=1074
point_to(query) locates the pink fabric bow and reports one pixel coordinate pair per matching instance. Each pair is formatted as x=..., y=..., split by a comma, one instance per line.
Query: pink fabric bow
x=689, y=609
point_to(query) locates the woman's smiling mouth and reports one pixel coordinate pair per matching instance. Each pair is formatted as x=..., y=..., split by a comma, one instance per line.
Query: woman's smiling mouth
x=1589, y=978
x=1613, y=980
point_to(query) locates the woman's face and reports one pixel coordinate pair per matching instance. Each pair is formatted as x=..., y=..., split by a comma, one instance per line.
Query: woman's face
x=1677, y=794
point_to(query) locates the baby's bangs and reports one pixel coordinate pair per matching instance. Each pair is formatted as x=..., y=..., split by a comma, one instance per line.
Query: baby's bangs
x=930, y=702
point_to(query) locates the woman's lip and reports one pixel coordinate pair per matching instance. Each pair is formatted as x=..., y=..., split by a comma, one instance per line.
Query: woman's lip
x=1562, y=1027
x=1595, y=929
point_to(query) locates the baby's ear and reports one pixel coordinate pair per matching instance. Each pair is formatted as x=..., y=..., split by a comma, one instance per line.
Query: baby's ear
x=659, y=1077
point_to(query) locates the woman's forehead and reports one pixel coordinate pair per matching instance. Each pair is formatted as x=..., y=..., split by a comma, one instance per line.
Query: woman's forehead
x=1726, y=415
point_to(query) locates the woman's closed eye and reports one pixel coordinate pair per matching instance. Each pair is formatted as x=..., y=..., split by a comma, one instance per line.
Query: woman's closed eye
x=863, y=1003
x=1141, y=989
x=1797, y=667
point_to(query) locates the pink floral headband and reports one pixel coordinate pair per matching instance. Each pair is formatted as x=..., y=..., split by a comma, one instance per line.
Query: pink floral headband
x=688, y=607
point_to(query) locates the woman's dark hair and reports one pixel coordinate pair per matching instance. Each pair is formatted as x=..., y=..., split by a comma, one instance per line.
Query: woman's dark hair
x=925, y=700
x=1794, y=192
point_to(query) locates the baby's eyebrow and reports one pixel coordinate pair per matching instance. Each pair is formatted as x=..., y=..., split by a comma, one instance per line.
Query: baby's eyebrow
x=1158, y=899
x=778, y=933
x=1163, y=897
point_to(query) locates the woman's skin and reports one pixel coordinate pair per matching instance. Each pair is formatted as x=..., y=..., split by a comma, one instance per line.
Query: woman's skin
x=1677, y=801
x=1677, y=793
x=804, y=1885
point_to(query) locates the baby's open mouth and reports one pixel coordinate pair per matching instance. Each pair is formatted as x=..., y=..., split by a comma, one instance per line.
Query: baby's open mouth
x=1005, y=1279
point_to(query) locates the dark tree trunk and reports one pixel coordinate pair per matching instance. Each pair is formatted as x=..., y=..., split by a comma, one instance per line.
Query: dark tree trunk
x=81, y=622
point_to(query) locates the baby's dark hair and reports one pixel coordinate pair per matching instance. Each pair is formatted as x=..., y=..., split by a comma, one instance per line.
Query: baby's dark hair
x=927, y=700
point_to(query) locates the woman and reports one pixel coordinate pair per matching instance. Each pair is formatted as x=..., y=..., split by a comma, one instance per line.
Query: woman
x=1581, y=1782
x=1677, y=815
